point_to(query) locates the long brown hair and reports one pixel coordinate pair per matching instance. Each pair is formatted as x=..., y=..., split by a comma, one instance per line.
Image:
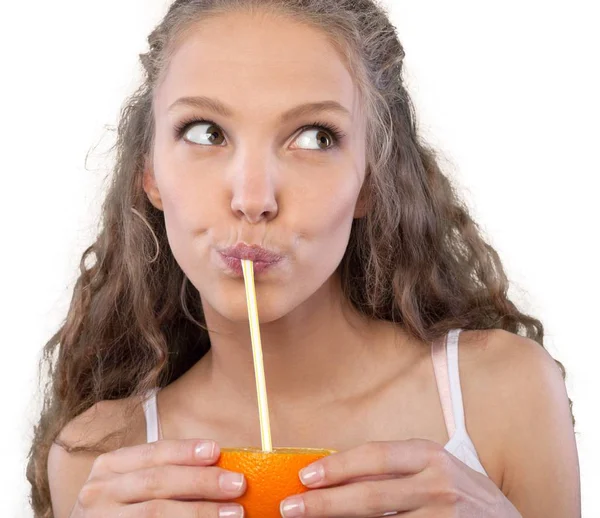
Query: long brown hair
x=417, y=258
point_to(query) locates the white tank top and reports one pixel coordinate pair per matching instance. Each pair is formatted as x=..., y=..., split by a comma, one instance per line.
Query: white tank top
x=444, y=354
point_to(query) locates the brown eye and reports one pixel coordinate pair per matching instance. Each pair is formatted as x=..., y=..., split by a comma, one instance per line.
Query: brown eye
x=322, y=138
x=205, y=134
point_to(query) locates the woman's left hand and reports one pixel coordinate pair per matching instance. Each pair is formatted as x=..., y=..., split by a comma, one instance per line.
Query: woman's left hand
x=415, y=477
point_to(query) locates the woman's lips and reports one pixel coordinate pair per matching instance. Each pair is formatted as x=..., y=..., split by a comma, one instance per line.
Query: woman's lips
x=254, y=253
x=262, y=258
x=235, y=265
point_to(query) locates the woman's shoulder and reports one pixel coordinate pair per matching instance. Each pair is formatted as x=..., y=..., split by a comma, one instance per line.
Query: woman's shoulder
x=496, y=349
x=500, y=369
x=103, y=421
x=112, y=423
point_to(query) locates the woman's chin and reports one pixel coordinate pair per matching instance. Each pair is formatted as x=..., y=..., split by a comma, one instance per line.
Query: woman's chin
x=239, y=313
x=232, y=307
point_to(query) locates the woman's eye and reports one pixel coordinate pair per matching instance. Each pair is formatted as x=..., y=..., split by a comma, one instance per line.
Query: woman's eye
x=205, y=133
x=322, y=139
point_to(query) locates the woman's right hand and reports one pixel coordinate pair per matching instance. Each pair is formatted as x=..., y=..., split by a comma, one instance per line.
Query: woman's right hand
x=160, y=479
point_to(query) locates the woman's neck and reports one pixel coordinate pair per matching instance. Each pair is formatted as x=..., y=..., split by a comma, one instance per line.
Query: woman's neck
x=323, y=350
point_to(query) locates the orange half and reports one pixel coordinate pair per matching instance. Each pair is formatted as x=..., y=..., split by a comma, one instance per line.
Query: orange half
x=271, y=476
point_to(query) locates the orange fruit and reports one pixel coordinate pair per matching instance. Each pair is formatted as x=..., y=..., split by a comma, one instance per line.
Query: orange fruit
x=270, y=476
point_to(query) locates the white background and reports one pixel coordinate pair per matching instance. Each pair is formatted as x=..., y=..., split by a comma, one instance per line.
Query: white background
x=507, y=91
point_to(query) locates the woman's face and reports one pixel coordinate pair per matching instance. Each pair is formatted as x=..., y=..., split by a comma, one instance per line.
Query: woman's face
x=252, y=174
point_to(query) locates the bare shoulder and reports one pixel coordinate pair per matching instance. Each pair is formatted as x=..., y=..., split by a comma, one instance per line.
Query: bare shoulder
x=517, y=413
x=505, y=355
x=516, y=368
x=68, y=470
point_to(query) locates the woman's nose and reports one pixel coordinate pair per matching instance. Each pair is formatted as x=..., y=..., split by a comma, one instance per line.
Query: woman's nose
x=254, y=194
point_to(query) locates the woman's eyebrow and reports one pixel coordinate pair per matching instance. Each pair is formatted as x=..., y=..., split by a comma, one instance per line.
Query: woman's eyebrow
x=221, y=108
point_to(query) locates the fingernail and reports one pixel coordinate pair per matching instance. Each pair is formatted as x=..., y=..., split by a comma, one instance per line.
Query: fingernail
x=312, y=474
x=205, y=450
x=292, y=507
x=231, y=481
x=231, y=511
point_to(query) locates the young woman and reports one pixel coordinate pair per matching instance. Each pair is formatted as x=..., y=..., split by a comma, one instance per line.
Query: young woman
x=281, y=131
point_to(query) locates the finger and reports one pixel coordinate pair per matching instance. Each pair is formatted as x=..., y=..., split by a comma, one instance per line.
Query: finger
x=377, y=459
x=368, y=498
x=187, y=452
x=181, y=509
x=175, y=482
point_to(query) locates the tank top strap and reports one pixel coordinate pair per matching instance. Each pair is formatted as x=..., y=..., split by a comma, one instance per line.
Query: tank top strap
x=153, y=432
x=440, y=370
x=444, y=352
x=454, y=377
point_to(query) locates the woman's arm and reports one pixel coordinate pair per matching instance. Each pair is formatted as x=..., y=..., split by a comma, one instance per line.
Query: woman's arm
x=539, y=453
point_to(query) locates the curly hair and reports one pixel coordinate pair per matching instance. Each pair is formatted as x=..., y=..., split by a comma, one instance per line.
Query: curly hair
x=417, y=258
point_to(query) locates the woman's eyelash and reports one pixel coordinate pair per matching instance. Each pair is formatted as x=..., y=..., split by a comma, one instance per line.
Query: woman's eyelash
x=332, y=129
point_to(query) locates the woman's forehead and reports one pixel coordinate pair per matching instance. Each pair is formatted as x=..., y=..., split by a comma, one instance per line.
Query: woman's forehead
x=272, y=62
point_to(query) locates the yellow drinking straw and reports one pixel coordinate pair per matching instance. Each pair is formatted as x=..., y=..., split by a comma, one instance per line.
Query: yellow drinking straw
x=259, y=368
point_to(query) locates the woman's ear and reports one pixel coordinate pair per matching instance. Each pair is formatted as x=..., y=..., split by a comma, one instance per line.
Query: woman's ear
x=363, y=202
x=150, y=187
